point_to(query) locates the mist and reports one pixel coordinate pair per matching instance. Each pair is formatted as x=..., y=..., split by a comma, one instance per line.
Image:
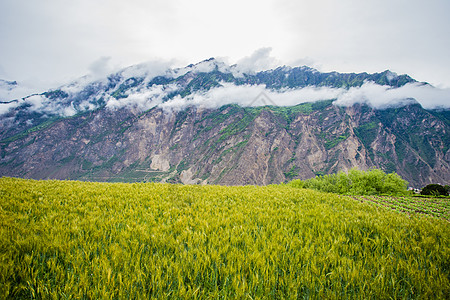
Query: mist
x=250, y=96
x=381, y=96
x=374, y=95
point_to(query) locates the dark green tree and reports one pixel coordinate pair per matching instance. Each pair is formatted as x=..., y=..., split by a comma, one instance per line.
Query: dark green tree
x=447, y=188
x=434, y=190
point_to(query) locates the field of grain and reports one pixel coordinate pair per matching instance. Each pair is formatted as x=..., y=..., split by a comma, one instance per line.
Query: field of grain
x=75, y=240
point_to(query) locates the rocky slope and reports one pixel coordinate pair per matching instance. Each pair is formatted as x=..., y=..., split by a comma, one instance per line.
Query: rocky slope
x=87, y=134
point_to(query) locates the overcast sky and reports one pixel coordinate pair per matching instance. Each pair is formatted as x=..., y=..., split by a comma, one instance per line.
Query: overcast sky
x=48, y=42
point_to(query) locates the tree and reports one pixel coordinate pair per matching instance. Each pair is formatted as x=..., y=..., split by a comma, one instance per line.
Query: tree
x=356, y=182
x=447, y=188
x=434, y=190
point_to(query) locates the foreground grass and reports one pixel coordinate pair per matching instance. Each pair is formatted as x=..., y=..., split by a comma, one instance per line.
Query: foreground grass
x=98, y=240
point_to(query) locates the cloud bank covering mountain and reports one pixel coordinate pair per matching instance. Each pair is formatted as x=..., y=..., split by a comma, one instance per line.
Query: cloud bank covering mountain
x=156, y=84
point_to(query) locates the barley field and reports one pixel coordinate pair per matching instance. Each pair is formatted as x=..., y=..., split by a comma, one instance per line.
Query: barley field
x=80, y=240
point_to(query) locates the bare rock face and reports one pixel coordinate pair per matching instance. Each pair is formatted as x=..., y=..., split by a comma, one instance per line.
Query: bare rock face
x=233, y=145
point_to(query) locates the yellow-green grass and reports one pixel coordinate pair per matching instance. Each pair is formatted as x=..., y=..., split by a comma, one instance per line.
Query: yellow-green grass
x=76, y=240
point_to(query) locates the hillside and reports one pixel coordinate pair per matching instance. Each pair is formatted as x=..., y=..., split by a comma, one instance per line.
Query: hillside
x=208, y=123
x=159, y=241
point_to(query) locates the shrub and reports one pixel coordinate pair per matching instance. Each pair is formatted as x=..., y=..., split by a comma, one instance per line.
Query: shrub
x=434, y=190
x=297, y=183
x=356, y=182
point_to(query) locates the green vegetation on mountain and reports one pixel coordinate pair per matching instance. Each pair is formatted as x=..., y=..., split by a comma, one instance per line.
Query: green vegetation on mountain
x=285, y=77
x=120, y=92
x=367, y=133
x=55, y=94
x=62, y=239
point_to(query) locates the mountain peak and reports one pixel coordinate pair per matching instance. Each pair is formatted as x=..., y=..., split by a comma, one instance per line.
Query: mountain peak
x=390, y=75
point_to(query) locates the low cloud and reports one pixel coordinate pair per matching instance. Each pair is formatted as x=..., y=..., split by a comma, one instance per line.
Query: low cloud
x=149, y=70
x=382, y=96
x=250, y=95
x=374, y=95
x=41, y=104
x=9, y=92
x=44, y=105
x=142, y=100
x=5, y=107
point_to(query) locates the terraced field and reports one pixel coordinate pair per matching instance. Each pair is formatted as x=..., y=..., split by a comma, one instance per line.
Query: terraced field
x=438, y=207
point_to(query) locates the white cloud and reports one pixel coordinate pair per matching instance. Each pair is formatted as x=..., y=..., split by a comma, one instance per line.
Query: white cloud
x=381, y=96
x=149, y=69
x=374, y=95
x=142, y=99
x=40, y=103
x=251, y=95
x=260, y=60
x=68, y=111
x=100, y=68
x=5, y=107
x=20, y=90
x=36, y=102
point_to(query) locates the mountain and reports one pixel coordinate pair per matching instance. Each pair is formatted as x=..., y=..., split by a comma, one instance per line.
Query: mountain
x=214, y=123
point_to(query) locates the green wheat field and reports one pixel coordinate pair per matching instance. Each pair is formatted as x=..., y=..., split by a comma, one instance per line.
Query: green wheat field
x=80, y=240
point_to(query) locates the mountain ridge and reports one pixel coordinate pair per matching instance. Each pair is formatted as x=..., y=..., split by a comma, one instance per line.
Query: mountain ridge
x=133, y=128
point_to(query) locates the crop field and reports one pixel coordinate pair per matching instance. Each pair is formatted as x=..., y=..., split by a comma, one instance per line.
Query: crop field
x=79, y=240
x=438, y=207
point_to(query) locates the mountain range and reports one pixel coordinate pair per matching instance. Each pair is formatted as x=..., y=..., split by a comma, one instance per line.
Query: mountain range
x=219, y=124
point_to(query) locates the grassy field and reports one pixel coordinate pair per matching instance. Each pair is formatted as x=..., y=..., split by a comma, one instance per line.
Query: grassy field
x=74, y=240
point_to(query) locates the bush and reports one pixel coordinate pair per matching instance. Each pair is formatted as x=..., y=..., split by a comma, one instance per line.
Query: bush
x=434, y=190
x=356, y=182
x=297, y=183
x=447, y=188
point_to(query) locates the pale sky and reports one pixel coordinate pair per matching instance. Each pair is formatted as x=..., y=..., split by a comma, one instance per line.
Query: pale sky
x=45, y=43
